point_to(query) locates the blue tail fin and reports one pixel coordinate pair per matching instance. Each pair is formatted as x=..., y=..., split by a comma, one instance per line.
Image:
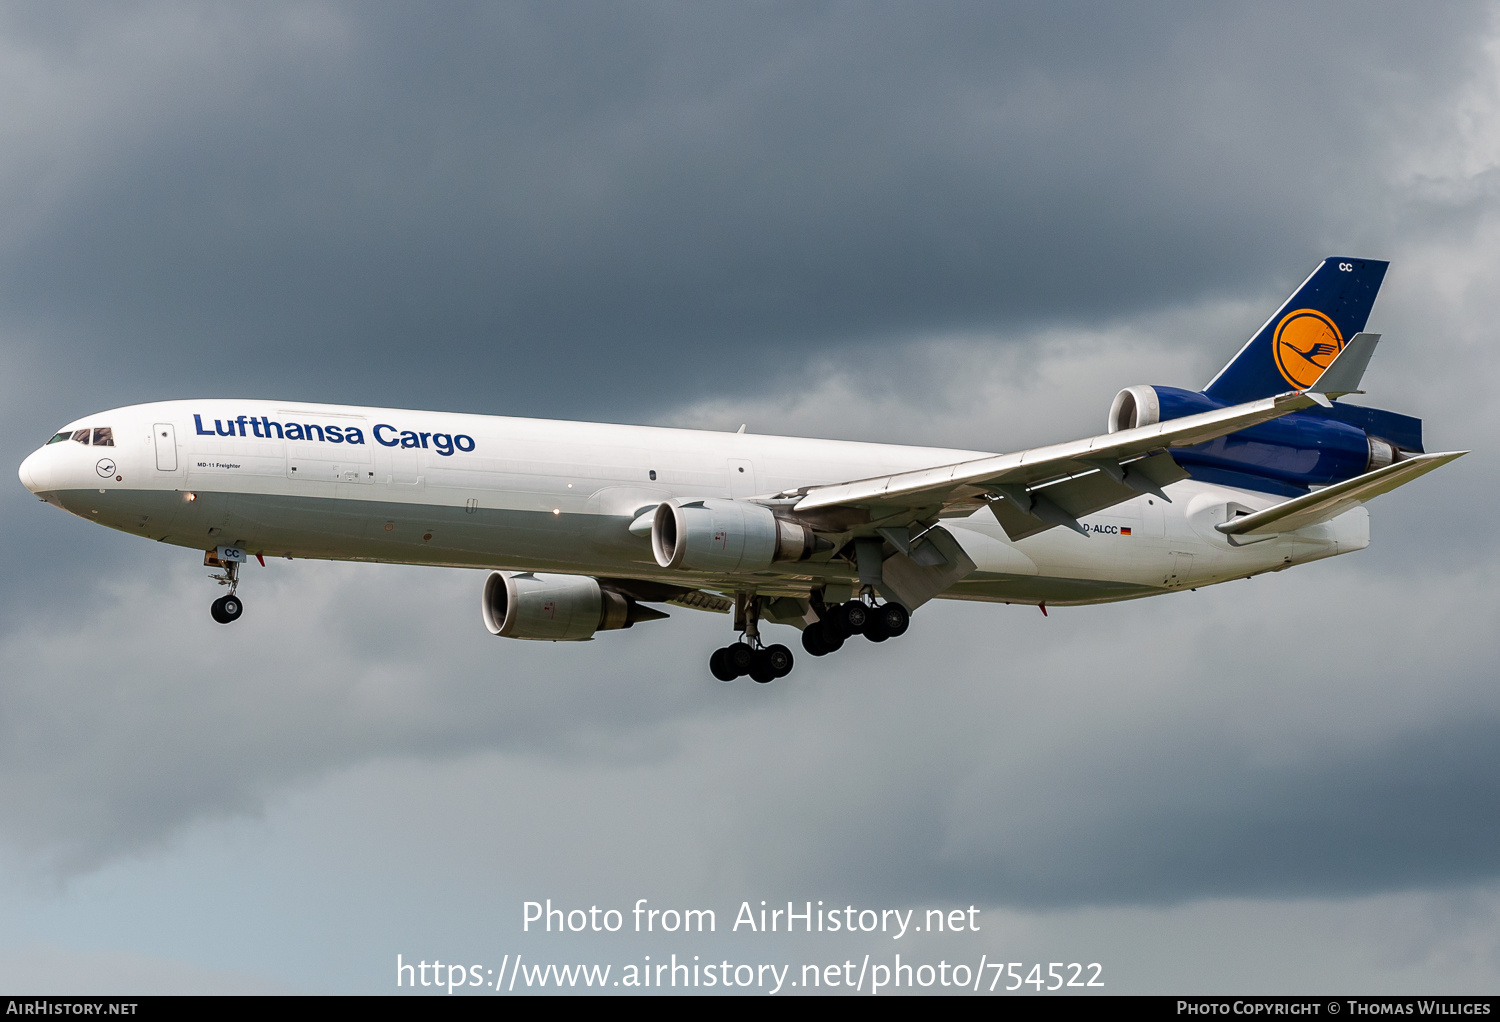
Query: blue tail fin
x=1304, y=335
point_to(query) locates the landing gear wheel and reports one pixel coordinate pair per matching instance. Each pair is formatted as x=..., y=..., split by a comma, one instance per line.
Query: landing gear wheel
x=780, y=659
x=852, y=617
x=829, y=632
x=894, y=618
x=813, y=641
x=226, y=609
x=739, y=657
x=720, y=667
x=875, y=628
x=761, y=667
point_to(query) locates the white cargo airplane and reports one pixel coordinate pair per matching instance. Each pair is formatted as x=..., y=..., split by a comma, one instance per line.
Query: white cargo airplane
x=586, y=523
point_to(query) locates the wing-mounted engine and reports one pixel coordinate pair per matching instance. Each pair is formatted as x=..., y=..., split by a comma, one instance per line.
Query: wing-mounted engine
x=559, y=608
x=727, y=535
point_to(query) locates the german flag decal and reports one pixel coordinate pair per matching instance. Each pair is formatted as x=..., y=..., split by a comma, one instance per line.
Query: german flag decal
x=1124, y=530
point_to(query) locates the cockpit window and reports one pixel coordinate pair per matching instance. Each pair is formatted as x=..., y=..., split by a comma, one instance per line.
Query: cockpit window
x=81, y=435
x=104, y=436
x=60, y=438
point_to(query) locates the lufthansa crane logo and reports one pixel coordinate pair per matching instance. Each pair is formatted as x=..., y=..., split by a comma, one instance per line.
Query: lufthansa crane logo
x=1306, y=342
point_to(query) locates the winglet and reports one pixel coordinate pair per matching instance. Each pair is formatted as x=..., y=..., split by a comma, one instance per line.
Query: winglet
x=1347, y=368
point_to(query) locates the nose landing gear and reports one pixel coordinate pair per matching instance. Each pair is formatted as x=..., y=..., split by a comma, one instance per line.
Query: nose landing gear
x=226, y=609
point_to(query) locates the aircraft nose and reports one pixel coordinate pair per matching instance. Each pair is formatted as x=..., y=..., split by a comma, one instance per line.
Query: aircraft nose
x=32, y=476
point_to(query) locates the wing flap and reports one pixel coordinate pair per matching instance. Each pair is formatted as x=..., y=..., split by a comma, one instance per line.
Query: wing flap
x=1089, y=493
x=1025, y=512
x=914, y=580
x=1332, y=501
x=1017, y=524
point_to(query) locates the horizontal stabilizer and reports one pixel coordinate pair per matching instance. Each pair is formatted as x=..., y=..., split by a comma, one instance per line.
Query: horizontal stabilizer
x=1332, y=501
x=1347, y=368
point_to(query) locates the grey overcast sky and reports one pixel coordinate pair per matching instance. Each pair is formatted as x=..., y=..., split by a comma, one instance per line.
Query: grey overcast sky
x=964, y=224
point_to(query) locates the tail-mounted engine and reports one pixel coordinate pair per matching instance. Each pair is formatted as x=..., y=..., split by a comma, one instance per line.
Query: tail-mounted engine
x=726, y=535
x=1315, y=447
x=560, y=608
x=1134, y=406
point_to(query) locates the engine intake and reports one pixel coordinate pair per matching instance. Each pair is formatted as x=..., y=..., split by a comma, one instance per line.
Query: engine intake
x=1134, y=406
x=726, y=535
x=559, y=608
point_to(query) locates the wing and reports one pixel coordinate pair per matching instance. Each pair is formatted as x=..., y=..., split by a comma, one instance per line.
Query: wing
x=1332, y=501
x=1031, y=491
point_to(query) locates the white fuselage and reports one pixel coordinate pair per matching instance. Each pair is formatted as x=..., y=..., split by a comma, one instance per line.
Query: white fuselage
x=289, y=479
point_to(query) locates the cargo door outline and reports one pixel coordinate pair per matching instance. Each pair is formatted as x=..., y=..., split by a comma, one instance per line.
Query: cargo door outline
x=398, y=468
x=322, y=461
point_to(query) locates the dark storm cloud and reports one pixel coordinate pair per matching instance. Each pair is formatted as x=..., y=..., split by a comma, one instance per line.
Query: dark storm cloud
x=1163, y=751
x=580, y=208
x=1144, y=753
x=325, y=675
x=1200, y=822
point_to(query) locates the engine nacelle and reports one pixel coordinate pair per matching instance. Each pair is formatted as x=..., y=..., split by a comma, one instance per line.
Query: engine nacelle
x=1381, y=454
x=1134, y=406
x=1286, y=455
x=725, y=535
x=560, y=608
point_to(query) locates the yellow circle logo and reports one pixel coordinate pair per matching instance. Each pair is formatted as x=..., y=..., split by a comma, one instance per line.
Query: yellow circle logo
x=1306, y=342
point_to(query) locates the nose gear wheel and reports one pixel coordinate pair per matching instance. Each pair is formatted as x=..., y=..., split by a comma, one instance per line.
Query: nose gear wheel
x=226, y=609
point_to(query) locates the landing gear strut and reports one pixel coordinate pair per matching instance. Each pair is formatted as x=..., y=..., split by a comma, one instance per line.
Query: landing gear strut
x=227, y=609
x=748, y=656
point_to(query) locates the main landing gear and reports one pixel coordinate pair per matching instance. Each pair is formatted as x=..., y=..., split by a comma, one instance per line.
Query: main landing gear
x=748, y=656
x=860, y=616
x=227, y=609
x=876, y=622
x=762, y=663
